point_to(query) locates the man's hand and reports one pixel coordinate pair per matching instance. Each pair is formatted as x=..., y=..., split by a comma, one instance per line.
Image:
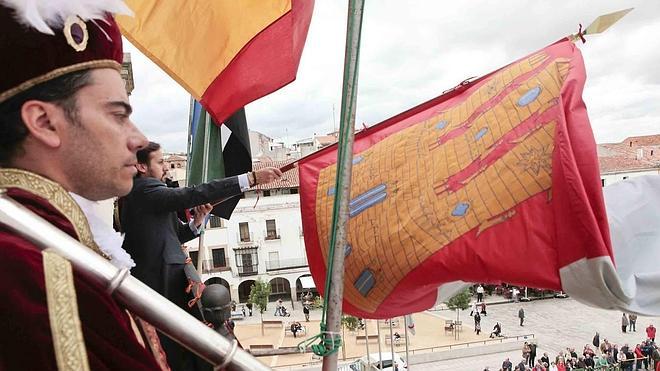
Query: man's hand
x=267, y=175
x=201, y=212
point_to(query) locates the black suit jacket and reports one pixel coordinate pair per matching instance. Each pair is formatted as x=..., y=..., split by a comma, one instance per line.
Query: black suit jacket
x=154, y=234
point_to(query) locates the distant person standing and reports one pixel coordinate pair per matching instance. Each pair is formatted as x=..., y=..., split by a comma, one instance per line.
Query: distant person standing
x=483, y=309
x=480, y=294
x=473, y=308
x=521, y=316
x=624, y=322
x=632, y=318
x=306, y=312
x=650, y=332
x=514, y=294
x=526, y=350
x=532, y=354
x=278, y=308
x=507, y=365
x=545, y=360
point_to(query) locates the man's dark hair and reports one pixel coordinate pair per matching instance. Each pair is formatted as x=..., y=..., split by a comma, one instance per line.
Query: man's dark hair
x=143, y=154
x=60, y=91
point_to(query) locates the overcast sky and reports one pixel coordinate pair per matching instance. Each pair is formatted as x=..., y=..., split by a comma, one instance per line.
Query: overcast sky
x=414, y=50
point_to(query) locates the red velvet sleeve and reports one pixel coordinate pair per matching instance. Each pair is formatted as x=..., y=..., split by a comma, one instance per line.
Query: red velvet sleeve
x=25, y=336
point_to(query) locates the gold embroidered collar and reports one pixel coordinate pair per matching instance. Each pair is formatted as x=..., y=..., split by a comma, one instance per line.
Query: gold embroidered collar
x=57, y=196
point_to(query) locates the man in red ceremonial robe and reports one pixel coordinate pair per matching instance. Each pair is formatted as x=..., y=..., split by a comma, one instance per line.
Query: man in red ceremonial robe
x=65, y=140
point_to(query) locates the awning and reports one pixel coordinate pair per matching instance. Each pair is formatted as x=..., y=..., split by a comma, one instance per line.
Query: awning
x=307, y=282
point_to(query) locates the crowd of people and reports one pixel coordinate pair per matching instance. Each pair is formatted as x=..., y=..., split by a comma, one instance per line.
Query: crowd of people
x=599, y=355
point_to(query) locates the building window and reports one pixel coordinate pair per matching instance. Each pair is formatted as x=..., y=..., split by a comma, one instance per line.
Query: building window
x=219, y=259
x=244, y=232
x=279, y=285
x=178, y=166
x=194, y=255
x=294, y=191
x=602, y=182
x=271, y=230
x=216, y=222
x=171, y=166
x=247, y=261
x=266, y=192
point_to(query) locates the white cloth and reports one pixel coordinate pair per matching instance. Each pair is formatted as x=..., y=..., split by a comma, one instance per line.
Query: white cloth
x=108, y=240
x=631, y=283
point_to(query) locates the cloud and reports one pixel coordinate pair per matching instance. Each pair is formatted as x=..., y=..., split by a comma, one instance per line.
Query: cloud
x=413, y=51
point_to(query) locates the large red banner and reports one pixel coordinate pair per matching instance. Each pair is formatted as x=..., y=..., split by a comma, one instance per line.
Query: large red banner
x=494, y=181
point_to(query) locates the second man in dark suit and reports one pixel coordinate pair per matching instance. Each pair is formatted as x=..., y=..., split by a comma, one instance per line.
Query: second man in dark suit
x=154, y=234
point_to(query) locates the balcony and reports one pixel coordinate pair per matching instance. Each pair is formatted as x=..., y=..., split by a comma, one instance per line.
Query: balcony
x=243, y=238
x=211, y=266
x=272, y=235
x=248, y=270
x=280, y=264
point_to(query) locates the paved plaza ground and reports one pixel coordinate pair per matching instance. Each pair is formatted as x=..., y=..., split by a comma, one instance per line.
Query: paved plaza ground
x=555, y=323
x=429, y=329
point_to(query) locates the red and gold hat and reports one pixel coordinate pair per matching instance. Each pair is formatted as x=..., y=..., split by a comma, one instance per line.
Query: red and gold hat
x=44, y=39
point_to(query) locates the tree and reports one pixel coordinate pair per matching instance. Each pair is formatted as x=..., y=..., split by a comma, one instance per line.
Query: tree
x=458, y=302
x=259, y=293
x=352, y=323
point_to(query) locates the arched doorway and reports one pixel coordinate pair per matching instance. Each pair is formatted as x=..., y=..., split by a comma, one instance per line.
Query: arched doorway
x=305, y=284
x=280, y=288
x=244, y=290
x=222, y=281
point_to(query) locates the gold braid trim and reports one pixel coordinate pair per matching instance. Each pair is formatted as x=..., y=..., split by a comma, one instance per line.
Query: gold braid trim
x=102, y=63
x=68, y=342
x=57, y=196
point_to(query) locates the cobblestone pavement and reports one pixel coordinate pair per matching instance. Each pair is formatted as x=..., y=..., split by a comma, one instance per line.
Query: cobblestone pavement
x=556, y=324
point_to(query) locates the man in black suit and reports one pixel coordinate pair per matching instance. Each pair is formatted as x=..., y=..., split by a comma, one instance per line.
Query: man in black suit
x=154, y=234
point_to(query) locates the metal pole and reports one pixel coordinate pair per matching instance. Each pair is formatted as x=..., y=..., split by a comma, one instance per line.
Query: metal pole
x=134, y=295
x=366, y=343
x=201, y=253
x=189, y=146
x=405, y=323
x=343, y=345
x=380, y=351
x=392, y=344
x=344, y=168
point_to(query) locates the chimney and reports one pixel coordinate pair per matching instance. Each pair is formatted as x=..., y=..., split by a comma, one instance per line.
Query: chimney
x=640, y=153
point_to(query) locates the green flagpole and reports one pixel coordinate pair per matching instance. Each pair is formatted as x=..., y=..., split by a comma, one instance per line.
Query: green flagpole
x=334, y=288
